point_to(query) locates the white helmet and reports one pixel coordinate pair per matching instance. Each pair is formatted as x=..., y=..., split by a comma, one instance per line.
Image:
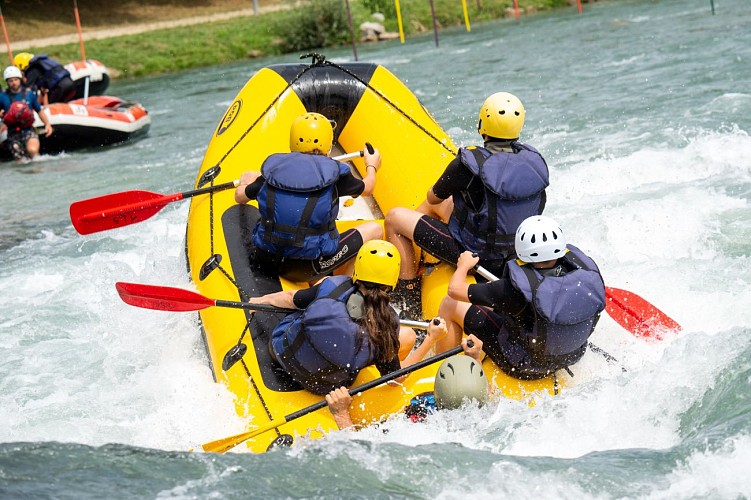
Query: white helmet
x=538, y=239
x=460, y=377
x=12, y=72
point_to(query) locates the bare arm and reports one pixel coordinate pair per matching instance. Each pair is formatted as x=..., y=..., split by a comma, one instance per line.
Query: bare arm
x=285, y=299
x=339, y=402
x=46, y=121
x=474, y=352
x=435, y=333
x=458, y=286
x=372, y=164
x=432, y=199
x=245, y=179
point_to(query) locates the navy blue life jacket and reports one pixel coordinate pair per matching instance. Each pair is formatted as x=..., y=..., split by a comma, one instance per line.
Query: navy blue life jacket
x=52, y=71
x=566, y=309
x=514, y=185
x=322, y=347
x=299, y=205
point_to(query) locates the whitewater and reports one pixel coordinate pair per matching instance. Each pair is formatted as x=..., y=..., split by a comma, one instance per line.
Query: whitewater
x=642, y=110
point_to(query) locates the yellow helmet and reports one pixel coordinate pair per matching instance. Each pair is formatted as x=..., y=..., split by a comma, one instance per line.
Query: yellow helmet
x=311, y=132
x=22, y=60
x=501, y=116
x=378, y=261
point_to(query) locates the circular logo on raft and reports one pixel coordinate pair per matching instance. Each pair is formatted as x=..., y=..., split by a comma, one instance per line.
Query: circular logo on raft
x=229, y=117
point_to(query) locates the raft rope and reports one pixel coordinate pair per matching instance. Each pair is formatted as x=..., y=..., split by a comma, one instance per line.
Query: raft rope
x=263, y=113
x=243, y=294
x=317, y=60
x=393, y=105
x=253, y=382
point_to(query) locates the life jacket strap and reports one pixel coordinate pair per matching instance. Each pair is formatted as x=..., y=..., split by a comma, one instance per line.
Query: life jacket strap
x=297, y=233
x=494, y=242
x=290, y=349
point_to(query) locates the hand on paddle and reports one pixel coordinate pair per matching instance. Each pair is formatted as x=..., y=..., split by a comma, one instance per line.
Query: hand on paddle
x=225, y=444
x=372, y=159
x=246, y=179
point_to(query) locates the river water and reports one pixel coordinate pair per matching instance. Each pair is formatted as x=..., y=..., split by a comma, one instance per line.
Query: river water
x=642, y=110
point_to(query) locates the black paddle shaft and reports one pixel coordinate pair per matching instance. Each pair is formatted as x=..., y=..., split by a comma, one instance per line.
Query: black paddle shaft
x=254, y=307
x=209, y=189
x=386, y=378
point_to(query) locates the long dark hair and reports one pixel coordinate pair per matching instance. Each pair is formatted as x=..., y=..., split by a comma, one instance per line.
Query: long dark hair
x=379, y=321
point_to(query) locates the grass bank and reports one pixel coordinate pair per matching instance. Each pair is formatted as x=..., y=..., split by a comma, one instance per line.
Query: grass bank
x=313, y=25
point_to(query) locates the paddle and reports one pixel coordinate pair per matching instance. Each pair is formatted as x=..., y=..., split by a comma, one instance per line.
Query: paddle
x=225, y=444
x=165, y=298
x=130, y=207
x=628, y=309
x=637, y=315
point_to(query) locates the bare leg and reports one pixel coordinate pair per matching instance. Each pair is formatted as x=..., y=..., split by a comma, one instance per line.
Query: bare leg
x=453, y=312
x=407, y=338
x=32, y=147
x=442, y=211
x=400, y=230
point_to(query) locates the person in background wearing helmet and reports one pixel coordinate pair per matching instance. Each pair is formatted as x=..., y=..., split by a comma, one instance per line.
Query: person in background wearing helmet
x=47, y=76
x=477, y=203
x=536, y=318
x=345, y=324
x=18, y=105
x=459, y=378
x=298, y=199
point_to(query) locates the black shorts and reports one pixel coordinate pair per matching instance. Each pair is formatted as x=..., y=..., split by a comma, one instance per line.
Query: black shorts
x=16, y=142
x=485, y=324
x=433, y=236
x=301, y=270
x=511, y=358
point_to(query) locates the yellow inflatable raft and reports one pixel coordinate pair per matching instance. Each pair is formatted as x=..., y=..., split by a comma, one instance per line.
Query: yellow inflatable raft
x=369, y=104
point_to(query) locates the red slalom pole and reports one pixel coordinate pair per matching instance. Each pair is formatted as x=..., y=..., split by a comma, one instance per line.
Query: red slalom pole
x=78, y=26
x=5, y=34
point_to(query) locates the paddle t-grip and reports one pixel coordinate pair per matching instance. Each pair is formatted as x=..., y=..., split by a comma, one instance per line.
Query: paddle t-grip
x=370, y=147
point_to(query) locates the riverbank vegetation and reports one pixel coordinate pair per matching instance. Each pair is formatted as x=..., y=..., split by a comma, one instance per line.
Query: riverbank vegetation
x=295, y=28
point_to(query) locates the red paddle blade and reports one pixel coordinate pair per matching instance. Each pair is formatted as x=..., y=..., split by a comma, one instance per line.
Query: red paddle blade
x=637, y=315
x=116, y=210
x=162, y=298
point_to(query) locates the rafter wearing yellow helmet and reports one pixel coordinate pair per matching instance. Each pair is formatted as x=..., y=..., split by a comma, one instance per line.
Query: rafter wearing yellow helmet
x=493, y=189
x=298, y=200
x=47, y=76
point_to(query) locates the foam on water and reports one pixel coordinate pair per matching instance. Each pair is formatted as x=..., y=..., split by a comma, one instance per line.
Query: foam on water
x=646, y=132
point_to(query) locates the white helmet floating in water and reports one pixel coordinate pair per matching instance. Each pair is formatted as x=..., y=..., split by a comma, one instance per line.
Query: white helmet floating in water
x=539, y=238
x=12, y=72
x=460, y=377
